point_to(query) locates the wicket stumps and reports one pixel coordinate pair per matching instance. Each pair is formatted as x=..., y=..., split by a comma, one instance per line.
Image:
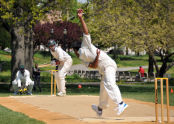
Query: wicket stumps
x=53, y=82
x=156, y=99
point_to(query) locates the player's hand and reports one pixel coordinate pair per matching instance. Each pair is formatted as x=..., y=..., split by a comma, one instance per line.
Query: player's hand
x=20, y=90
x=98, y=52
x=57, y=62
x=80, y=12
x=25, y=89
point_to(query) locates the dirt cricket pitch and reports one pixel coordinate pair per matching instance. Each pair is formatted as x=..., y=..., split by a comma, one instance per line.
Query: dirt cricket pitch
x=76, y=109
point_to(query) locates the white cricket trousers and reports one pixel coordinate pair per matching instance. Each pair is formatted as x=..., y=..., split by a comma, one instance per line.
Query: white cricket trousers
x=109, y=88
x=16, y=85
x=60, y=75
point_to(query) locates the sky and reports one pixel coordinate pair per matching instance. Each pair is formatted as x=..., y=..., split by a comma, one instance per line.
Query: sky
x=82, y=1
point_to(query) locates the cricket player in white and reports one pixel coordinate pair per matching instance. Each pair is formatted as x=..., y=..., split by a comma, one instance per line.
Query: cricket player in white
x=64, y=62
x=23, y=76
x=95, y=58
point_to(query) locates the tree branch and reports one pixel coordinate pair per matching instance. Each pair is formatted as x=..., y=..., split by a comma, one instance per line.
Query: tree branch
x=48, y=4
x=169, y=66
x=171, y=54
x=155, y=63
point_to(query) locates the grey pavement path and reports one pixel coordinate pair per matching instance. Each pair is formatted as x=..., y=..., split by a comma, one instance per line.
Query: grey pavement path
x=83, y=67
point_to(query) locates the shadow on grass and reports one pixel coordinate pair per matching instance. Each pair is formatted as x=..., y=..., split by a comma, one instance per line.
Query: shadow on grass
x=6, y=65
x=43, y=53
x=5, y=78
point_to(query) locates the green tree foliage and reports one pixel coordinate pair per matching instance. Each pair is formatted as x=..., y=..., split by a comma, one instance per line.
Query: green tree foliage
x=157, y=31
x=137, y=24
x=42, y=33
x=18, y=18
x=4, y=38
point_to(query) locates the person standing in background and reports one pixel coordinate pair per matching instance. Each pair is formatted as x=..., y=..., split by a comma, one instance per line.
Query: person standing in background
x=141, y=71
x=36, y=77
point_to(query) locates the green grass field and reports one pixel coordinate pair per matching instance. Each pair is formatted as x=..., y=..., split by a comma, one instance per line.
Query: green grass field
x=10, y=117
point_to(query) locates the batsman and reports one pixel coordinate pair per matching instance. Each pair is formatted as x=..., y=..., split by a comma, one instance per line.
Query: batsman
x=64, y=61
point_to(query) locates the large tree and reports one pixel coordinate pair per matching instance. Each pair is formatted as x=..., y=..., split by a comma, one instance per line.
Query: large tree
x=18, y=17
x=139, y=25
x=157, y=22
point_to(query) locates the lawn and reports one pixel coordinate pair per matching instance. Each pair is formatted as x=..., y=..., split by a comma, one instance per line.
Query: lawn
x=132, y=61
x=8, y=116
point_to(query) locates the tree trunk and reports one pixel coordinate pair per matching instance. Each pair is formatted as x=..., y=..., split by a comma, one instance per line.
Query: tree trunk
x=162, y=71
x=115, y=56
x=28, y=51
x=127, y=50
x=18, y=47
x=163, y=68
x=150, y=69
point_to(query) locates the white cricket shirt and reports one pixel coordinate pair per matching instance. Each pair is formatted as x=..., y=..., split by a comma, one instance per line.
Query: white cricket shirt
x=60, y=54
x=87, y=53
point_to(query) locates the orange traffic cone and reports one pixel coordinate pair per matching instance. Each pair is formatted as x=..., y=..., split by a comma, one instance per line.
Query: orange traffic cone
x=171, y=90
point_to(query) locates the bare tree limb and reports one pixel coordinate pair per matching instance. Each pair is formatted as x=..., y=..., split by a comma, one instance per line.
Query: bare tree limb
x=169, y=66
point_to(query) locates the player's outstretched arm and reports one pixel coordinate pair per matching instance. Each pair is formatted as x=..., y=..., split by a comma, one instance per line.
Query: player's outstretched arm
x=84, y=26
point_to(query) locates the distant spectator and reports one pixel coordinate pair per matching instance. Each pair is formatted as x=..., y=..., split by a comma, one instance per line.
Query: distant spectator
x=36, y=77
x=141, y=71
x=23, y=80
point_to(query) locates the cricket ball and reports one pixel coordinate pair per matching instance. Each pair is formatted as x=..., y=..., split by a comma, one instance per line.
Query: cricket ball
x=79, y=86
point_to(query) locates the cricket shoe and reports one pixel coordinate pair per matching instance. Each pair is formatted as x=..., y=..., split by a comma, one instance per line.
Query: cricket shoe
x=121, y=107
x=96, y=109
x=61, y=94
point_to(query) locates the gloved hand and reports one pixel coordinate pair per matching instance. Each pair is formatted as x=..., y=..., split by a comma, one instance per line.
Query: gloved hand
x=25, y=90
x=57, y=62
x=20, y=90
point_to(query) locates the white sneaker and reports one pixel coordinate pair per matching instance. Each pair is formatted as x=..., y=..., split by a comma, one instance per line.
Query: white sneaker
x=61, y=94
x=95, y=108
x=121, y=108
